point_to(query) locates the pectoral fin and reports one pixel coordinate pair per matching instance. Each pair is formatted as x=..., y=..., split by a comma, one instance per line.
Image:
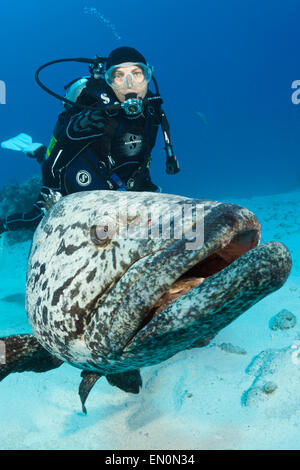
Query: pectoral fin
x=129, y=381
x=22, y=353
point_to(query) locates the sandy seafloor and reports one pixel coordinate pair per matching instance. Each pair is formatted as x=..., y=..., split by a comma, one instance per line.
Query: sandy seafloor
x=206, y=398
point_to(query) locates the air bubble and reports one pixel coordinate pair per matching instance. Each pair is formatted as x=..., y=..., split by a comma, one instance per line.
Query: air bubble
x=94, y=12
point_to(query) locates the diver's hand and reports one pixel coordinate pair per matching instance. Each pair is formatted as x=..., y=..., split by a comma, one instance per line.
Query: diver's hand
x=87, y=124
x=172, y=166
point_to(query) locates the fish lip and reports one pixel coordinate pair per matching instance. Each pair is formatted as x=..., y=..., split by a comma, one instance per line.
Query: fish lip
x=196, y=320
x=243, y=231
x=252, y=236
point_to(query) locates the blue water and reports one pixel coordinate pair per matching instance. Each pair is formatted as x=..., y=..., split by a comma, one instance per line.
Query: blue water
x=225, y=71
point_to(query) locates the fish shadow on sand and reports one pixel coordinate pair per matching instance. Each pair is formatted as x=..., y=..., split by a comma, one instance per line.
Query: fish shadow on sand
x=140, y=410
x=147, y=405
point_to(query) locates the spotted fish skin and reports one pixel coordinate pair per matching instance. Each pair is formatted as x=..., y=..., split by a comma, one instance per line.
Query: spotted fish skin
x=88, y=304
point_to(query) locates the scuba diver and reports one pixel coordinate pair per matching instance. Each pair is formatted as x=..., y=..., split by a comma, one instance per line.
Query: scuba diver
x=104, y=136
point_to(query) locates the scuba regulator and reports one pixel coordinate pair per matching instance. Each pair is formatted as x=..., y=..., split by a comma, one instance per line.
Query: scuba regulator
x=132, y=106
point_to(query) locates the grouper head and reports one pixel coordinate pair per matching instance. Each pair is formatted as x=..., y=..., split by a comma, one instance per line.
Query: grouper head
x=121, y=280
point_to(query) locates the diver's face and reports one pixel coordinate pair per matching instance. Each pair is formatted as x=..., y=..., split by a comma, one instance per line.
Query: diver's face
x=129, y=79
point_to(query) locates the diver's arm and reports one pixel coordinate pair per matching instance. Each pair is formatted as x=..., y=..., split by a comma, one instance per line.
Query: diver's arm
x=84, y=125
x=73, y=133
x=89, y=126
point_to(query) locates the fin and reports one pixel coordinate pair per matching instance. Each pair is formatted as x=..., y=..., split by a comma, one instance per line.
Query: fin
x=22, y=142
x=22, y=353
x=129, y=381
x=88, y=381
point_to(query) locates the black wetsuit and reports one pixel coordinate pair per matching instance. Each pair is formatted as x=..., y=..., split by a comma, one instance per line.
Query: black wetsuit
x=93, y=150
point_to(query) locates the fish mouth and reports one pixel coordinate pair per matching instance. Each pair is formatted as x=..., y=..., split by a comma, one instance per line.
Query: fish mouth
x=215, y=262
x=155, y=283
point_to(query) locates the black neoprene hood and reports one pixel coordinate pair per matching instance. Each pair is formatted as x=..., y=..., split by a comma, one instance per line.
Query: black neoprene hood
x=124, y=54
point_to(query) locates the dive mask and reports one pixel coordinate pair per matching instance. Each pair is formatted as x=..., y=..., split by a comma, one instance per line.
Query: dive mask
x=128, y=75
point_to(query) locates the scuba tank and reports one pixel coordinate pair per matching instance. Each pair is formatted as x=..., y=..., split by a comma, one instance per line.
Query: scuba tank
x=76, y=86
x=74, y=89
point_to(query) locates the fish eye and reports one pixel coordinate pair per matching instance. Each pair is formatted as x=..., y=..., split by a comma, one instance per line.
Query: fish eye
x=101, y=234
